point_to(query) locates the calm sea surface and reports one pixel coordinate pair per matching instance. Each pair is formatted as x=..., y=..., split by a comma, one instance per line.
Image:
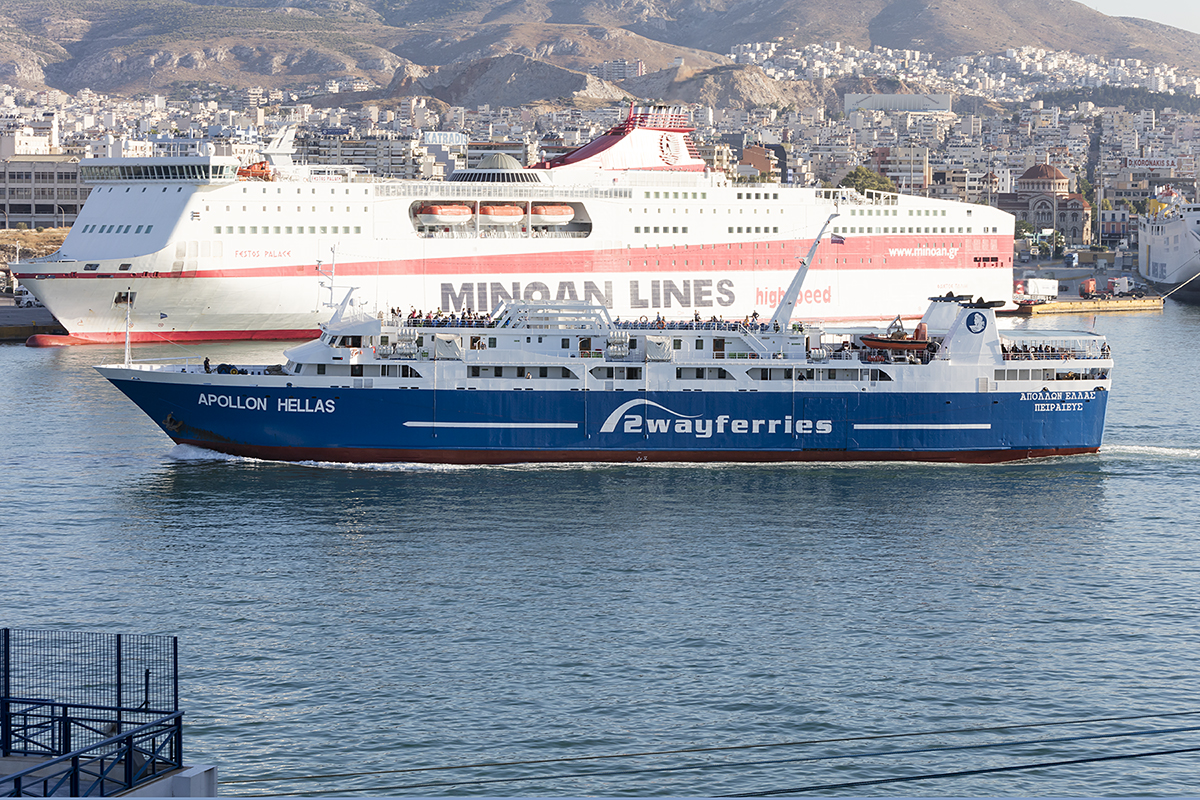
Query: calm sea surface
x=336, y=619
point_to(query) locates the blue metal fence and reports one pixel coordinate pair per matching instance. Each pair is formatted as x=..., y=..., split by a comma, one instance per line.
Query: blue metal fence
x=102, y=710
x=108, y=767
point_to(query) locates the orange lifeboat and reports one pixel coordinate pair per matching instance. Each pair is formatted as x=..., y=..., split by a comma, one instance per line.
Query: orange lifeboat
x=551, y=215
x=500, y=215
x=443, y=214
x=258, y=171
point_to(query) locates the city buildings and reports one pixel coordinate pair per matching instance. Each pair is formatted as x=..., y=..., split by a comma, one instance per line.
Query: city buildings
x=1038, y=160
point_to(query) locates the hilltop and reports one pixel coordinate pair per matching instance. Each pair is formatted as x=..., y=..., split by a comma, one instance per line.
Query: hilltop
x=457, y=50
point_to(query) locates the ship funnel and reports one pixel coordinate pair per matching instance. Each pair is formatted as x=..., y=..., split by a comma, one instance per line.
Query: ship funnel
x=279, y=152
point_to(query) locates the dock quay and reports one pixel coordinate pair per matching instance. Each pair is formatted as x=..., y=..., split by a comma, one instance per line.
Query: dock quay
x=18, y=324
x=1081, y=306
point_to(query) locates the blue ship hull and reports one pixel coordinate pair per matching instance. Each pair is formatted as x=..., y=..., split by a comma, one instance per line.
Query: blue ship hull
x=496, y=427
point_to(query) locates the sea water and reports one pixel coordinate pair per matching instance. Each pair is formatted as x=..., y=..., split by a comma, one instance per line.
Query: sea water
x=361, y=621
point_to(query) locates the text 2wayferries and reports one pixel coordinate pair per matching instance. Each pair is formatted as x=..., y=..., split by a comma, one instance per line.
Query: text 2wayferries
x=538, y=382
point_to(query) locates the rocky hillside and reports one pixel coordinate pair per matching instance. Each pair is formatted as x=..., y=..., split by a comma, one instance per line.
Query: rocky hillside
x=457, y=50
x=510, y=80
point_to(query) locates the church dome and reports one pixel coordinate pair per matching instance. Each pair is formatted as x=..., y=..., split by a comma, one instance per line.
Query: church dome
x=1042, y=172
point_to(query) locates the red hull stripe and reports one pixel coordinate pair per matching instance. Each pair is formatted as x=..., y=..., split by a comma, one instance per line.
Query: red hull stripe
x=742, y=257
x=51, y=340
x=487, y=457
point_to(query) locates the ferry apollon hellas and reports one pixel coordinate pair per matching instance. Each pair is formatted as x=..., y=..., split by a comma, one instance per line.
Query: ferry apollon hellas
x=566, y=382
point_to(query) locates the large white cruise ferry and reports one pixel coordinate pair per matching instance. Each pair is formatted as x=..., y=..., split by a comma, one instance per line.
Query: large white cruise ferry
x=198, y=249
x=1169, y=246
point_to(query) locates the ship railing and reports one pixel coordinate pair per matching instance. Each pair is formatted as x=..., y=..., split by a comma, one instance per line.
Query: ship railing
x=871, y=355
x=469, y=190
x=442, y=322
x=854, y=197
x=1053, y=354
x=185, y=363
x=494, y=232
x=703, y=325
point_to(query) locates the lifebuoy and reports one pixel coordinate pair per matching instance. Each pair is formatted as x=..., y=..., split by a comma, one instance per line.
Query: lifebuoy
x=643, y=319
x=356, y=352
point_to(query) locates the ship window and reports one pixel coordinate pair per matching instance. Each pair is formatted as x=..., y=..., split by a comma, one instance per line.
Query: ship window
x=633, y=373
x=287, y=229
x=499, y=372
x=229, y=229
x=254, y=229
x=474, y=372
x=125, y=267
x=699, y=344
x=543, y=372
x=637, y=228
x=241, y=228
x=633, y=343
x=320, y=369
x=312, y=229
x=356, y=370
x=91, y=267
x=677, y=344
x=566, y=344
x=323, y=229
x=216, y=230
x=491, y=341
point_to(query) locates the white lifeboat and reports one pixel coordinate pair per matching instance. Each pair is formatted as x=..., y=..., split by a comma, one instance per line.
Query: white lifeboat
x=551, y=215
x=443, y=214
x=500, y=215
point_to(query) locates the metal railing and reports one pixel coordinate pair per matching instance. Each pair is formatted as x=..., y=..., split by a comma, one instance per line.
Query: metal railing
x=114, y=762
x=99, y=711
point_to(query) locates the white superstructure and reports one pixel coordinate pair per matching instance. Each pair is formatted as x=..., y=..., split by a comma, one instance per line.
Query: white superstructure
x=633, y=220
x=1169, y=246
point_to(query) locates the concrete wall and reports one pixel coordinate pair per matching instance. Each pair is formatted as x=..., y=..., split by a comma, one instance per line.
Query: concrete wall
x=198, y=781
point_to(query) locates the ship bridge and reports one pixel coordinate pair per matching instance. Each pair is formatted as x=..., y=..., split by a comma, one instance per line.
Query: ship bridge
x=155, y=169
